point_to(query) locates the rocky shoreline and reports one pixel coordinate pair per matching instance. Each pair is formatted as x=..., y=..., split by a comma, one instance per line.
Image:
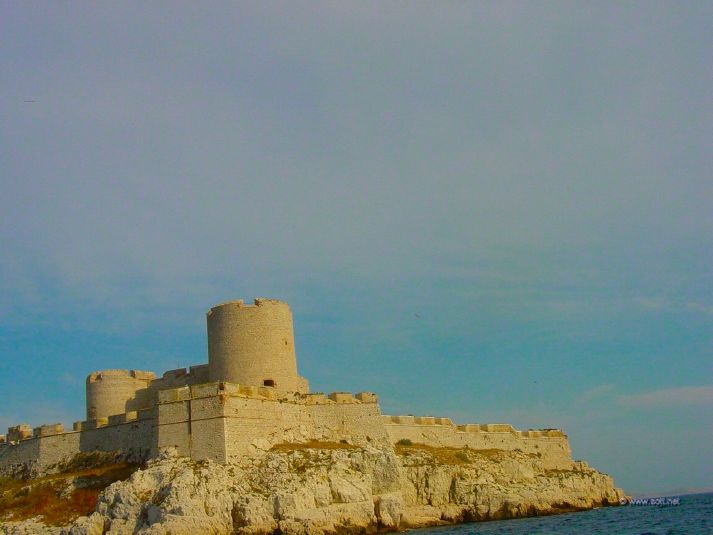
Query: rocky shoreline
x=327, y=488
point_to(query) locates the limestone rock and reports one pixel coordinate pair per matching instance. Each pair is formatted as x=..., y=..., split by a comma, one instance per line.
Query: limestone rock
x=328, y=491
x=32, y=526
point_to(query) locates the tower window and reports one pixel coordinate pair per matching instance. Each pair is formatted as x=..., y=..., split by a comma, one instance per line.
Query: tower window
x=268, y=382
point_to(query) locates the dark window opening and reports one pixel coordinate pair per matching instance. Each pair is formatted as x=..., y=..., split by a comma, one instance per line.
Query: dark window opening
x=268, y=382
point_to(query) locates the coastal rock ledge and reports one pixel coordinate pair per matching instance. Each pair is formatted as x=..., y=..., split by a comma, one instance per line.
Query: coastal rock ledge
x=333, y=489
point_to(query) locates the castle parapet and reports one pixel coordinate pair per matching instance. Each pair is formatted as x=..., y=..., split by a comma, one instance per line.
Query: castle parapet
x=174, y=394
x=175, y=374
x=48, y=430
x=205, y=390
x=95, y=423
x=469, y=428
x=223, y=389
x=119, y=419
x=317, y=398
x=498, y=428
x=419, y=420
x=133, y=374
x=410, y=420
x=19, y=432
x=367, y=397
x=342, y=397
x=404, y=420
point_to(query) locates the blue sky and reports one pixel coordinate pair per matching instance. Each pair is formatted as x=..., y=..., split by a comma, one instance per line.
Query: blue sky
x=490, y=211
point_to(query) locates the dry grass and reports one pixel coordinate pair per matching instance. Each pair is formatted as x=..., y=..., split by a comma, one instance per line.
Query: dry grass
x=444, y=455
x=20, y=500
x=312, y=445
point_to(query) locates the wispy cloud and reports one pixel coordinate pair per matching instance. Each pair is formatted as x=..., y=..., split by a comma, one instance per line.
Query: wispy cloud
x=596, y=392
x=651, y=303
x=669, y=397
x=700, y=307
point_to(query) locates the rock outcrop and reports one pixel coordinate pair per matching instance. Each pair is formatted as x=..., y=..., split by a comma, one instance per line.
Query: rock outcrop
x=335, y=488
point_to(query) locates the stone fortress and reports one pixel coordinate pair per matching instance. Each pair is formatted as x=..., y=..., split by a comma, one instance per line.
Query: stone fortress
x=247, y=399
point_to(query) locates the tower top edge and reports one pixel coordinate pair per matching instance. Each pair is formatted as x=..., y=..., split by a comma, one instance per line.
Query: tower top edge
x=240, y=303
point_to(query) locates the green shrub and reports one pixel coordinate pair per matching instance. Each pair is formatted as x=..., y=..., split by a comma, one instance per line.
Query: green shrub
x=405, y=442
x=462, y=456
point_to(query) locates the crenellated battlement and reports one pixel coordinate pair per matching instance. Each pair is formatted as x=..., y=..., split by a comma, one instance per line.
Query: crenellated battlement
x=19, y=432
x=471, y=428
x=48, y=430
x=220, y=388
x=22, y=432
x=240, y=303
x=115, y=419
x=129, y=374
x=551, y=445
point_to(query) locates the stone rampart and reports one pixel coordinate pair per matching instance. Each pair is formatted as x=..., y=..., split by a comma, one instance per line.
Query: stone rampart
x=245, y=419
x=34, y=451
x=48, y=430
x=550, y=445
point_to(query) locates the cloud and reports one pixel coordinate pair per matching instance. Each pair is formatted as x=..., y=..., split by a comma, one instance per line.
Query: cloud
x=700, y=307
x=203, y=148
x=69, y=379
x=596, y=392
x=669, y=397
x=651, y=303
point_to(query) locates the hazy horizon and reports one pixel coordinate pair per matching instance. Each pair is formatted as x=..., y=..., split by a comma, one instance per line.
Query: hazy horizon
x=496, y=212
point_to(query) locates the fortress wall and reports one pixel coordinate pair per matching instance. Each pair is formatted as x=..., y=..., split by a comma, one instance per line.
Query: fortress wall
x=253, y=345
x=38, y=452
x=181, y=418
x=208, y=423
x=260, y=424
x=24, y=453
x=240, y=420
x=19, y=432
x=135, y=438
x=359, y=424
x=174, y=426
x=133, y=434
x=551, y=446
x=57, y=448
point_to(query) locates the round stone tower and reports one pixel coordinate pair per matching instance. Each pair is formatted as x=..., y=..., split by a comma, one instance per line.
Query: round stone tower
x=112, y=392
x=253, y=345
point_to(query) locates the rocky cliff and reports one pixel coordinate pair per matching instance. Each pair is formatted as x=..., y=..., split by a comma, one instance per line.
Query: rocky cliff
x=334, y=488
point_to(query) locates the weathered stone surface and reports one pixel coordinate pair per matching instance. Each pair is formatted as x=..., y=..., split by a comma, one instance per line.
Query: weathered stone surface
x=28, y=527
x=326, y=491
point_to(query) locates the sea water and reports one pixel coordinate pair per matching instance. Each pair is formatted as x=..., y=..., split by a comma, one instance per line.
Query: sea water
x=684, y=515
